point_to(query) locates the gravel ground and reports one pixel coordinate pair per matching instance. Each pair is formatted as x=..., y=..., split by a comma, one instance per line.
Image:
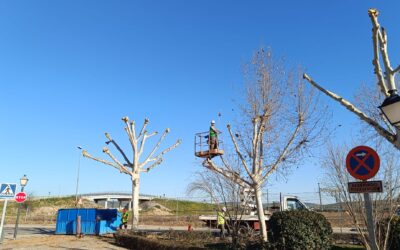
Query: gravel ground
x=61, y=242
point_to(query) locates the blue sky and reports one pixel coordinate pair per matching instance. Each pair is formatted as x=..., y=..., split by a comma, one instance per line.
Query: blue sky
x=69, y=70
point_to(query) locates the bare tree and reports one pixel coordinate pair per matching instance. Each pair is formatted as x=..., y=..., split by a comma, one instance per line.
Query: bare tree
x=225, y=192
x=386, y=83
x=135, y=166
x=384, y=204
x=281, y=121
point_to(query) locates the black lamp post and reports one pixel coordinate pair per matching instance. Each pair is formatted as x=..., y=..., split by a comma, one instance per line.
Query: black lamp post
x=391, y=108
x=23, y=181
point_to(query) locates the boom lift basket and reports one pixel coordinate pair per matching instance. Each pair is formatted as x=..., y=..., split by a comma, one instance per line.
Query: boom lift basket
x=202, y=146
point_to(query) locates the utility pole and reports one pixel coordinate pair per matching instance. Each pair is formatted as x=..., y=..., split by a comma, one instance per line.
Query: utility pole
x=320, y=199
x=77, y=176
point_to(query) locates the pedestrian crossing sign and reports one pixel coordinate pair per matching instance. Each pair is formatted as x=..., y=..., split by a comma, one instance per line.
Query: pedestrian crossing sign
x=7, y=190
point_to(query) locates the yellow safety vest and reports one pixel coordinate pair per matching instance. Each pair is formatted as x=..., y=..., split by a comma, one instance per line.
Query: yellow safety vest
x=125, y=217
x=220, y=218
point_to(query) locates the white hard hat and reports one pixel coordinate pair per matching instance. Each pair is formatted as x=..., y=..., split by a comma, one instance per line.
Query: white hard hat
x=224, y=209
x=212, y=122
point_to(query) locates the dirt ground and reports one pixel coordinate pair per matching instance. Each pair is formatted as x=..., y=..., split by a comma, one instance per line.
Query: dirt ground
x=61, y=242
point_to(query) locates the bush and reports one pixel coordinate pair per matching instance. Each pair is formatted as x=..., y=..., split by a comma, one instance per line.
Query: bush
x=394, y=234
x=300, y=230
x=169, y=240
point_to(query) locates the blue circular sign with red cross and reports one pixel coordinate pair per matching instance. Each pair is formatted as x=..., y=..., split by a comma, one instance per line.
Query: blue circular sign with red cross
x=362, y=162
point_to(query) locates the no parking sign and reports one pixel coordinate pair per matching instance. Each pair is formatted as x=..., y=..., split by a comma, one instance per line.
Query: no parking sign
x=362, y=162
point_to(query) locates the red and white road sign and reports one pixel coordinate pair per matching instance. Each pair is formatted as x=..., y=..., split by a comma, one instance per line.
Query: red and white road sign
x=20, y=197
x=362, y=162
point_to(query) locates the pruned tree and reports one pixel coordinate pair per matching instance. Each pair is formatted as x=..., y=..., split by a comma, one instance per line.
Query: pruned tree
x=134, y=166
x=281, y=121
x=386, y=81
x=384, y=204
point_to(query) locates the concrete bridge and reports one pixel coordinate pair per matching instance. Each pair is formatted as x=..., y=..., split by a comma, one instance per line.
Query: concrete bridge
x=115, y=199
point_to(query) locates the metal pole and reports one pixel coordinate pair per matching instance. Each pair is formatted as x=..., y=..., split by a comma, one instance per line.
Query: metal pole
x=17, y=220
x=77, y=177
x=78, y=226
x=370, y=221
x=177, y=206
x=320, y=199
x=2, y=220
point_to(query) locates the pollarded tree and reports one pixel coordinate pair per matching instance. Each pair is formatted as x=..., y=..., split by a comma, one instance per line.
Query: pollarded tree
x=386, y=82
x=281, y=120
x=135, y=166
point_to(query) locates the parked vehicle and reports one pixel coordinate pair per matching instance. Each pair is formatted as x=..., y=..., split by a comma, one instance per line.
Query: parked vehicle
x=250, y=219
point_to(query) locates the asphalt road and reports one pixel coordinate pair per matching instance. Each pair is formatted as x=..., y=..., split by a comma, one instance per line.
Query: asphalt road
x=28, y=230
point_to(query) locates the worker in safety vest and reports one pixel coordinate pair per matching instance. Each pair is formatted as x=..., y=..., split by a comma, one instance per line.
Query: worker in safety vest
x=221, y=221
x=213, y=136
x=124, y=219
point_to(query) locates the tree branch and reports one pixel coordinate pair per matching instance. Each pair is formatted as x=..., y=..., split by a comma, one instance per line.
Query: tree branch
x=397, y=69
x=133, y=129
x=375, y=62
x=379, y=129
x=87, y=155
x=142, y=142
x=381, y=36
x=285, y=150
x=119, y=149
x=230, y=175
x=159, y=155
x=128, y=130
x=239, y=153
x=146, y=121
x=255, y=147
x=155, y=148
x=158, y=162
x=122, y=167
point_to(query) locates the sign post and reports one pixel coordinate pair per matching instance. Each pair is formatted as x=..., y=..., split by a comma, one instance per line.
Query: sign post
x=20, y=197
x=363, y=163
x=7, y=191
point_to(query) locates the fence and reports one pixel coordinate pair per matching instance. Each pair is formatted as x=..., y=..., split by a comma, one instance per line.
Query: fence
x=180, y=211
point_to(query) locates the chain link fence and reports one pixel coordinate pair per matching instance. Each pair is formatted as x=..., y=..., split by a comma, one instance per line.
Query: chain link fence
x=175, y=211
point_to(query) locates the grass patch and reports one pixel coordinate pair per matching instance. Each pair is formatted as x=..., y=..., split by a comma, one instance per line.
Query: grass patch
x=186, y=207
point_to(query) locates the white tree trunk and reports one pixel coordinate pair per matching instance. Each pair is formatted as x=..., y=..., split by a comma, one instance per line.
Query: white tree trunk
x=134, y=167
x=261, y=216
x=135, y=202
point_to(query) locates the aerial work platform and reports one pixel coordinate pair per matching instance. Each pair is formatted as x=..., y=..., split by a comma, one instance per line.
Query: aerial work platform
x=202, y=146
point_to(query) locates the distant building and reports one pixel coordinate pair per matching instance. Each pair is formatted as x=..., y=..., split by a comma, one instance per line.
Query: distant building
x=115, y=200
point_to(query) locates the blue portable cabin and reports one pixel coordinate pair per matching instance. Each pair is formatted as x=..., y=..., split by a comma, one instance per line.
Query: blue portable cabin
x=93, y=220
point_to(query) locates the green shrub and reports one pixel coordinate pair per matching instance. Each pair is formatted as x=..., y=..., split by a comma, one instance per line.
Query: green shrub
x=300, y=230
x=394, y=234
x=169, y=240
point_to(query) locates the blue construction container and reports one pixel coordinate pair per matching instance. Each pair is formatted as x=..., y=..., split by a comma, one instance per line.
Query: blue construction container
x=93, y=220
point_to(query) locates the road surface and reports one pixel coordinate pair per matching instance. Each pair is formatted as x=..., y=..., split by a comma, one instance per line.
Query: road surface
x=28, y=230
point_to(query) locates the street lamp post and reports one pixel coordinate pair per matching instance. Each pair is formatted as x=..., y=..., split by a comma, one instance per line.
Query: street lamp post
x=77, y=176
x=23, y=181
